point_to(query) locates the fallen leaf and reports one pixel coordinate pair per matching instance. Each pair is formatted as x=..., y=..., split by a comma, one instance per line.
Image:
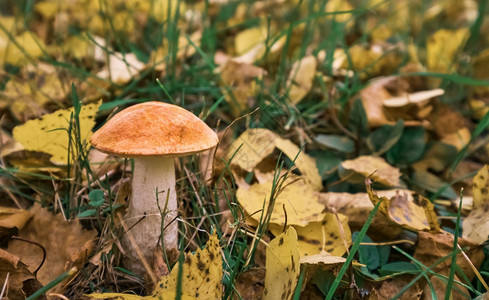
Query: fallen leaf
x=252, y=146
x=66, y=244
x=441, y=48
x=431, y=247
x=357, y=207
x=324, y=236
x=11, y=221
x=390, y=288
x=476, y=224
x=247, y=39
x=282, y=266
x=49, y=133
x=201, y=277
x=15, y=272
x=121, y=68
x=301, y=78
x=296, y=199
x=25, y=48
x=375, y=167
x=250, y=284
x=408, y=209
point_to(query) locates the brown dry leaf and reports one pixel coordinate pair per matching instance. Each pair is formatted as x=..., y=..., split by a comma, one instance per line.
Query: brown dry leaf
x=296, y=199
x=476, y=224
x=442, y=47
x=325, y=236
x=19, y=277
x=238, y=84
x=250, y=284
x=282, y=266
x=390, y=288
x=301, y=78
x=373, y=97
x=408, y=209
x=254, y=145
x=201, y=279
x=375, y=167
x=357, y=207
x=433, y=246
x=66, y=244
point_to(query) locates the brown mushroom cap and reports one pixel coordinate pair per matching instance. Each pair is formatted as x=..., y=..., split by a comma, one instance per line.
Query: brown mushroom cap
x=154, y=128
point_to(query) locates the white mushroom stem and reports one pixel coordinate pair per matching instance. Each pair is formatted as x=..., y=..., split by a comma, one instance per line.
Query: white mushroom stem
x=152, y=174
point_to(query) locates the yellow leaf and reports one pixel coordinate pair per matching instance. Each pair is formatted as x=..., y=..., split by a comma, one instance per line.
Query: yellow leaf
x=282, y=266
x=49, y=133
x=476, y=224
x=11, y=217
x=248, y=38
x=408, y=209
x=296, y=199
x=303, y=162
x=202, y=274
x=377, y=167
x=323, y=236
x=442, y=47
x=25, y=48
x=301, y=78
x=201, y=278
x=79, y=47
x=253, y=145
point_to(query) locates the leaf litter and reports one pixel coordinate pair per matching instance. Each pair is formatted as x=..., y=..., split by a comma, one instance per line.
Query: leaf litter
x=310, y=99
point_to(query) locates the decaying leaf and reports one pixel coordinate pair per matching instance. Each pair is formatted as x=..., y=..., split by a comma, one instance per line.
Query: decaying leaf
x=15, y=272
x=282, y=266
x=49, y=133
x=375, y=167
x=431, y=247
x=408, y=209
x=476, y=224
x=201, y=278
x=252, y=146
x=66, y=244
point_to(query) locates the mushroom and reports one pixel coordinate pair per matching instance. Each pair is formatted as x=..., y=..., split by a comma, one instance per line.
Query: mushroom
x=153, y=134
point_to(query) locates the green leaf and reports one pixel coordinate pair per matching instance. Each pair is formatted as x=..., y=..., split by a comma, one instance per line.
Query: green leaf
x=409, y=148
x=433, y=184
x=397, y=267
x=385, y=137
x=369, y=255
x=87, y=213
x=96, y=198
x=337, y=142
